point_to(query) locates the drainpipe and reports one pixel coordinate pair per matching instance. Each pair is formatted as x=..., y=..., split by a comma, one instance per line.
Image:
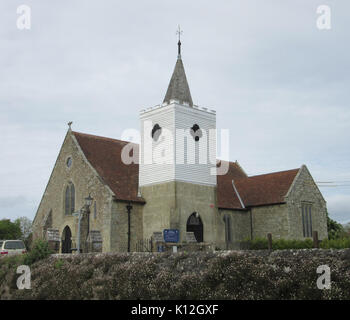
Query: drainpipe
x=128, y=208
x=78, y=239
x=88, y=221
x=251, y=224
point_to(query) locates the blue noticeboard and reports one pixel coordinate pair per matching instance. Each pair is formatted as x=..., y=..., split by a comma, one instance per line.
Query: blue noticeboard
x=171, y=235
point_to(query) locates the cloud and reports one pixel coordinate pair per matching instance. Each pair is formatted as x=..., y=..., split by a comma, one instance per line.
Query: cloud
x=15, y=207
x=278, y=83
x=9, y=202
x=339, y=207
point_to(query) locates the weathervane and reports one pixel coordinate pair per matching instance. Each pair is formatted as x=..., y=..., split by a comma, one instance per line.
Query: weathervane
x=179, y=33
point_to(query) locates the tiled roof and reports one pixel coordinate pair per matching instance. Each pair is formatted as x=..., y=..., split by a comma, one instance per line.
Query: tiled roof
x=226, y=196
x=104, y=154
x=258, y=190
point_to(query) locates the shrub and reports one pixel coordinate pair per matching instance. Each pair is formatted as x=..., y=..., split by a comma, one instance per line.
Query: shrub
x=278, y=244
x=40, y=250
x=284, y=244
x=197, y=275
x=258, y=244
x=335, y=243
x=58, y=264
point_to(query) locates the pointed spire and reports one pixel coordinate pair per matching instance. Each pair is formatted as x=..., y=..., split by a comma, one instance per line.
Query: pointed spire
x=178, y=88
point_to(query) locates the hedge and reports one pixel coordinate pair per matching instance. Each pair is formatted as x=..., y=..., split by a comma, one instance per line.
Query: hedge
x=260, y=274
x=282, y=244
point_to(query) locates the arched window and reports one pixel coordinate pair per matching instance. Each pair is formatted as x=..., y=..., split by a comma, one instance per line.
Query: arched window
x=228, y=233
x=66, y=240
x=69, y=199
x=195, y=225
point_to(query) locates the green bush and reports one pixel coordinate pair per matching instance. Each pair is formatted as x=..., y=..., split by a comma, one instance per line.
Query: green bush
x=257, y=244
x=283, y=244
x=59, y=263
x=335, y=243
x=40, y=250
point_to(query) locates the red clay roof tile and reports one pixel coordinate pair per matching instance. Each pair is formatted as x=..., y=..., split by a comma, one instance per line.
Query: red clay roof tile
x=256, y=190
x=104, y=154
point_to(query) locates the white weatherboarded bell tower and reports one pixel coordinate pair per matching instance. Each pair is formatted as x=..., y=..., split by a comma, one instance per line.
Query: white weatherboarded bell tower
x=177, y=175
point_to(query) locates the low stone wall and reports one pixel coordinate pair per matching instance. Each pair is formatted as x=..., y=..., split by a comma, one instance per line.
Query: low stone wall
x=263, y=274
x=184, y=247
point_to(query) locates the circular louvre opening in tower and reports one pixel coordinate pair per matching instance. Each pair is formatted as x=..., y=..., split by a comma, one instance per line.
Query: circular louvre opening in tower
x=156, y=132
x=196, y=132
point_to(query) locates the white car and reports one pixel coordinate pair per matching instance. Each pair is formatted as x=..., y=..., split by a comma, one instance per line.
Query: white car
x=11, y=247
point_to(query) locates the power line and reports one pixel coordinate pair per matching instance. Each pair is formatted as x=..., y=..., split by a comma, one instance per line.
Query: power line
x=345, y=181
x=334, y=186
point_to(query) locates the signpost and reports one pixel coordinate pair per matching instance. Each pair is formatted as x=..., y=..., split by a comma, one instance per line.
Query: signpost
x=171, y=235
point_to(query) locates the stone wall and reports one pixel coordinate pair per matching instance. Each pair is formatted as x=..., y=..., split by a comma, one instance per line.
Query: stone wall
x=285, y=220
x=192, y=198
x=85, y=181
x=305, y=190
x=240, y=224
x=160, y=204
x=170, y=204
x=270, y=219
x=119, y=226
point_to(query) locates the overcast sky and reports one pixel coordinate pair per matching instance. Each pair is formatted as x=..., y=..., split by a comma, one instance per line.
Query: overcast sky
x=278, y=83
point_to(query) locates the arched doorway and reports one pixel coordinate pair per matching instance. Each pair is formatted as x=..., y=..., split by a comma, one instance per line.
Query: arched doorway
x=195, y=225
x=66, y=240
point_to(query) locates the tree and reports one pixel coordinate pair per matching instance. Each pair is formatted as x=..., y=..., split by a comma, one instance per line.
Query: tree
x=335, y=229
x=10, y=230
x=25, y=225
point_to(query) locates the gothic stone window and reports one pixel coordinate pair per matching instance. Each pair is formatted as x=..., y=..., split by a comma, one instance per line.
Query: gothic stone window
x=69, y=199
x=306, y=219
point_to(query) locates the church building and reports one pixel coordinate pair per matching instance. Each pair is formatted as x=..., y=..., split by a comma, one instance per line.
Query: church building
x=108, y=195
